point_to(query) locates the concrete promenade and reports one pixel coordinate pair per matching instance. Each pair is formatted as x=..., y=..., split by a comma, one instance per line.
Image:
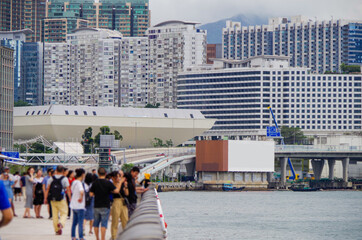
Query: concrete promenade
x=39, y=229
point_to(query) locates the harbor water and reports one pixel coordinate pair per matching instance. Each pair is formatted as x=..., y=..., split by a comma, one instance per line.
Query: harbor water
x=263, y=215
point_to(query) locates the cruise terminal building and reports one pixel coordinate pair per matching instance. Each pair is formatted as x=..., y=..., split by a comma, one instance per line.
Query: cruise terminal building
x=138, y=126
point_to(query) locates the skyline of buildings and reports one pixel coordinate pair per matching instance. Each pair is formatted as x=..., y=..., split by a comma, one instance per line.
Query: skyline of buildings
x=105, y=54
x=320, y=45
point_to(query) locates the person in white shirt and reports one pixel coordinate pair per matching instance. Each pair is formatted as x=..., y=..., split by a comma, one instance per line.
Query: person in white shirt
x=17, y=186
x=77, y=203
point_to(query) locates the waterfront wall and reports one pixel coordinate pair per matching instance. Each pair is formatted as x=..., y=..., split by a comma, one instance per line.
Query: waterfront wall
x=249, y=180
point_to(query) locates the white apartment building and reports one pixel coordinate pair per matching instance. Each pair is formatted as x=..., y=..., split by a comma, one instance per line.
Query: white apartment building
x=174, y=46
x=84, y=70
x=238, y=93
x=134, y=72
x=319, y=45
x=97, y=67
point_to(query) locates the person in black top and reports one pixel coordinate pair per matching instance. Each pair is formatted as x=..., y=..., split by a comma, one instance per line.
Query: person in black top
x=101, y=189
x=133, y=190
x=119, y=209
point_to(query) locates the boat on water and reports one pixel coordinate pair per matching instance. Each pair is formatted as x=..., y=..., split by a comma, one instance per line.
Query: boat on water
x=229, y=187
x=303, y=188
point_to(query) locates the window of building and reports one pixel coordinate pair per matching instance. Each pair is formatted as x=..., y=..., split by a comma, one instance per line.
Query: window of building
x=191, y=115
x=85, y=113
x=165, y=114
x=66, y=112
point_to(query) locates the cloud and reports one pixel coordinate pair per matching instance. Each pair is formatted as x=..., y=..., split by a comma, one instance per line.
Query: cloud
x=206, y=11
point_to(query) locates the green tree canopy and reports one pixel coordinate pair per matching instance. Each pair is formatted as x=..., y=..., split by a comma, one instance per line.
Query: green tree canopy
x=350, y=68
x=127, y=167
x=21, y=103
x=87, y=140
x=292, y=135
x=149, y=105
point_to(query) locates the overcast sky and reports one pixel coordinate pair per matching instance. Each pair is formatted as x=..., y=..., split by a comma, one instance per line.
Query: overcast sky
x=206, y=11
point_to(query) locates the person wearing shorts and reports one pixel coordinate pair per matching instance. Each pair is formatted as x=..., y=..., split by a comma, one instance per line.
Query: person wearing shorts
x=17, y=186
x=101, y=189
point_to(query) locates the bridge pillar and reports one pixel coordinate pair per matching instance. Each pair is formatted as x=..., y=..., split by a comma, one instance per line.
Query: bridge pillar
x=190, y=169
x=345, y=164
x=317, y=168
x=269, y=176
x=283, y=169
x=331, y=163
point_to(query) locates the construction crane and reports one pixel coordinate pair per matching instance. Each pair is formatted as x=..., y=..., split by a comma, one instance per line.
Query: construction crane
x=294, y=177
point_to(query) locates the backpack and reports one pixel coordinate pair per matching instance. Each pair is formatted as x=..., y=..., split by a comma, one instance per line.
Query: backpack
x=88, y=198
x=56, y=189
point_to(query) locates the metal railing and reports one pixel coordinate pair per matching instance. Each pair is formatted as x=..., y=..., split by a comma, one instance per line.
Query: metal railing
x=316, y=148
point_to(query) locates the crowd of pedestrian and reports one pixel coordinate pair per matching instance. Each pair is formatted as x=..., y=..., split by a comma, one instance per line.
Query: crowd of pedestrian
x=93, y=198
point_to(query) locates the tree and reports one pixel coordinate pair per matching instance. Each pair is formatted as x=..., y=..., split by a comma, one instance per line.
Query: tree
x=21, y=103
x=292, y=135
x=127, y=167
x=117, y=135
x=105, y=130
x=149, y=105
x=87, y=140
x=38, y=147
x=169, y=143
x=350, y=68
x=157, y=142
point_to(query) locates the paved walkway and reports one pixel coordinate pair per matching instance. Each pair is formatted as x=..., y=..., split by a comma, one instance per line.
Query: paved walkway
x=38, y=229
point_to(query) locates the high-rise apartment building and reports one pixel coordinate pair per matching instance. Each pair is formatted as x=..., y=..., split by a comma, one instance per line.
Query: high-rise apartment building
x=130, y=17
x=174, y=45
x=6, y=97
x=320, y=45
x=23, y=14
x=238, y=93
x=133, y=89
x=84, y=70
x=34, y=12
x=12, y=13
x=97, y=67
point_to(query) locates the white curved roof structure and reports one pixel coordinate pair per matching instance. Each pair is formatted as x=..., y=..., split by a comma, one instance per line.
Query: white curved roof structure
x=138, y=126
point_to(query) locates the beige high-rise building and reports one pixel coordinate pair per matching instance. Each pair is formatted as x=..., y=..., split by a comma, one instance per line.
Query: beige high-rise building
x=6, y=97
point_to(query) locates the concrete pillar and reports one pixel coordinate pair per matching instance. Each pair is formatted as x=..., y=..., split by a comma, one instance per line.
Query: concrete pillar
x=190, y=169
x=317, y=168
x=331, y=163
x=345, y=164
x=269, y=176
x=217, y=176
x=283, y=169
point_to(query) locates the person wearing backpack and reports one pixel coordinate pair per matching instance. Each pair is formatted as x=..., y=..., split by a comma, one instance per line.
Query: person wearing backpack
x=77, y=203
x=58, y=186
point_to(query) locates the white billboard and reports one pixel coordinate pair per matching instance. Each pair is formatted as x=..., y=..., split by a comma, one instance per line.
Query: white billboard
x=251, y=156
